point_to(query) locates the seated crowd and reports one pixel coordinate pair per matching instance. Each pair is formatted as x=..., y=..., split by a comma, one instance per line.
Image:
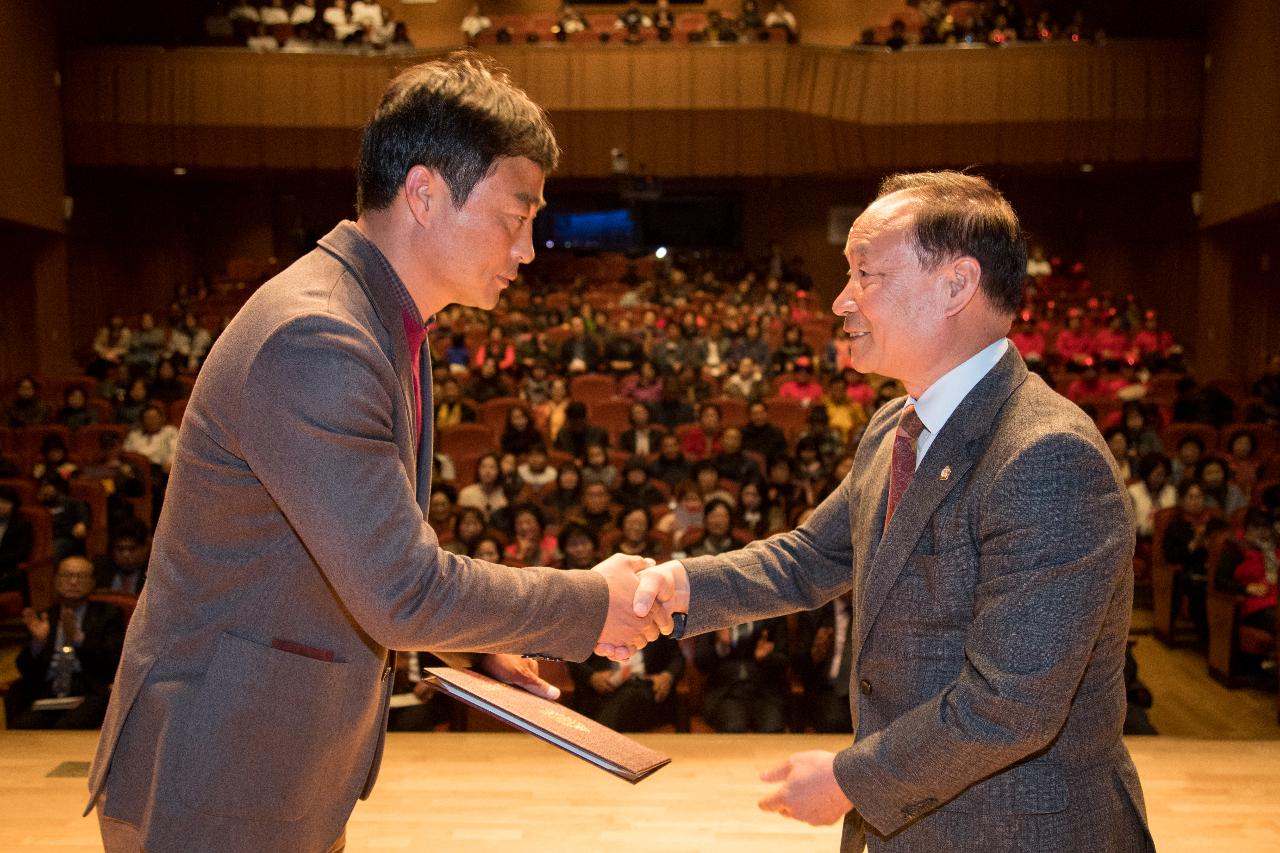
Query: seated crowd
x=306, y=25
x=662, y=410
x=989, y=22
x=635, y=25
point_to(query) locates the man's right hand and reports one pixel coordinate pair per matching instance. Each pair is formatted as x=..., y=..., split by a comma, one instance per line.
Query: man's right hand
x=661, y=591
x=627, y=627
x=37, y=624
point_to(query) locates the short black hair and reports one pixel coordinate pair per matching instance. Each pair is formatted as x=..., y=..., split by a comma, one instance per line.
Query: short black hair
x=456, y=115
x=958, y=214
x=130, y=528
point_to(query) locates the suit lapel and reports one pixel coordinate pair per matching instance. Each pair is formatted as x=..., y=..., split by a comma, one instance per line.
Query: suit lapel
x=957, y=447
x=373, y=273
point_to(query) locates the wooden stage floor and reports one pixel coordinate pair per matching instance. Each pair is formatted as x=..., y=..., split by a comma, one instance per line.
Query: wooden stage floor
x=498, y=791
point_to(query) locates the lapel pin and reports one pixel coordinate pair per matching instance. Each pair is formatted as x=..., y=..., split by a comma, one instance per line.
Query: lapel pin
x=946, y=473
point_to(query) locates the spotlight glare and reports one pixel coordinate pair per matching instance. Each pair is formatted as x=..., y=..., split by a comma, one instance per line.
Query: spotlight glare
x=661, y=253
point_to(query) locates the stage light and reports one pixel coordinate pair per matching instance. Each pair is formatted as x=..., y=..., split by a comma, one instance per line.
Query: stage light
x=551, y=244
x=661, y=253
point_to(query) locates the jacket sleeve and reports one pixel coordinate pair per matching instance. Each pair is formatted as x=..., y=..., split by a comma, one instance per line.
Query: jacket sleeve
x=1050, y=565
x=320, y=438
x=799, y=570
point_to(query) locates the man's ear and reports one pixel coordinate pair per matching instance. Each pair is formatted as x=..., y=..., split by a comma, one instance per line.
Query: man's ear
x=961, y=279
x=424, y=190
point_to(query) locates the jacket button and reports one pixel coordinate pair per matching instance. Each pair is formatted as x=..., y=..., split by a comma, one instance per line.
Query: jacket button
x=865, y=687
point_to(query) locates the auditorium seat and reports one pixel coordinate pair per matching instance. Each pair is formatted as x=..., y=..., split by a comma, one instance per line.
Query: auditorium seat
x=95, y=496
x=87, y=442
x=1163, y=610
x=613, y=414
x=127, y=603
x=493, y=413
x=1173, y=435
x=589, y=387
x=463, y=439
x=40, y=567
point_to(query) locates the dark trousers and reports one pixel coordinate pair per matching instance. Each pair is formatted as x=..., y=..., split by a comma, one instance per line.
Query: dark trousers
x=629, y=708
x=747, y=707
x=827, y=712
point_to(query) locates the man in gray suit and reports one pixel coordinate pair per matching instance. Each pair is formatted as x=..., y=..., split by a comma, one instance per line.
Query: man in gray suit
x=249, y=709
x=990, y=543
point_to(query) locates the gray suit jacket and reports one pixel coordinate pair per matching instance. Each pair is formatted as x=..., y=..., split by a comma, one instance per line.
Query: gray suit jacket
x=989, y=627
x=295, y=517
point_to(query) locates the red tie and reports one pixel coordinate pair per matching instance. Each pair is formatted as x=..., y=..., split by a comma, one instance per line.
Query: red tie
x=904, y=458
x=415, y=335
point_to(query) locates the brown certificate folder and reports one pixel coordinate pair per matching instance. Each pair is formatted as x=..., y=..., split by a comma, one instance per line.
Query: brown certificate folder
x=554, y=723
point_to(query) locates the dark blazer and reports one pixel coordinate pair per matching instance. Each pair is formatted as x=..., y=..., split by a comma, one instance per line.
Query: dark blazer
x=99, y=654
x=769, y=674
x=15, y=549
x=662, y=655
x=105, y=571
x=292, y=553
x=627, y=441
x=990, y=623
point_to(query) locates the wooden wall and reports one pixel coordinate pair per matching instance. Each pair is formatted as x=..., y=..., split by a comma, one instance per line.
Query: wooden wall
x=30, y=121
x=702, y=110
x=1241, y=165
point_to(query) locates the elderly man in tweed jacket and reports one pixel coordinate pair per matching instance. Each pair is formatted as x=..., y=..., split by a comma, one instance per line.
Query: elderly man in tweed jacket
x=987, y=540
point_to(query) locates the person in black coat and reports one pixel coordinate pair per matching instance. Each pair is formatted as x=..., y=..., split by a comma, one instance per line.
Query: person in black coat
x=762, y=436
x=16, y=538
x=633, y=696
x=74, y=650
x=822, y=659
x=746, y=669
x=124, y=567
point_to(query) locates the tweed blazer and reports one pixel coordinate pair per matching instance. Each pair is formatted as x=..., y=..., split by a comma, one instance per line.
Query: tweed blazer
x=990, y=623
x=292, y=552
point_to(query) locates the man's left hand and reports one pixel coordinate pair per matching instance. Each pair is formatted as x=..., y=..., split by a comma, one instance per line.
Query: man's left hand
x=809, y=789
x=522, y=672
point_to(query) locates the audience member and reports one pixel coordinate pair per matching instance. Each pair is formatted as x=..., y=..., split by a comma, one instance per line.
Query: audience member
x=1214, y=477
x=760, y=435
x=75, y=412
x=1151, y=492
x=643, y=437
x=578, y=434
x=1247, y=568
x=27, y=409
x=579, y=546
x=531, y=545
x=566, y=497
x=822, y=660
x=519, y=434
x=73, y=651
x=671, y=466
x=486, y=493
x=1186, y=545
x=535, y=472
x=469, y=527
x=16, y=539
x=746, y=668
x=128, y=411
x=124, y=567
x=70, y=515
x=632, y=695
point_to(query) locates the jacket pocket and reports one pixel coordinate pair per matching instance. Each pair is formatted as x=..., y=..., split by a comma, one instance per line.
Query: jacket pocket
x=258, y=732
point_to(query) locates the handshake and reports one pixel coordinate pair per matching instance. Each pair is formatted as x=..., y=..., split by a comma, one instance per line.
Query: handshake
x=643, y=597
